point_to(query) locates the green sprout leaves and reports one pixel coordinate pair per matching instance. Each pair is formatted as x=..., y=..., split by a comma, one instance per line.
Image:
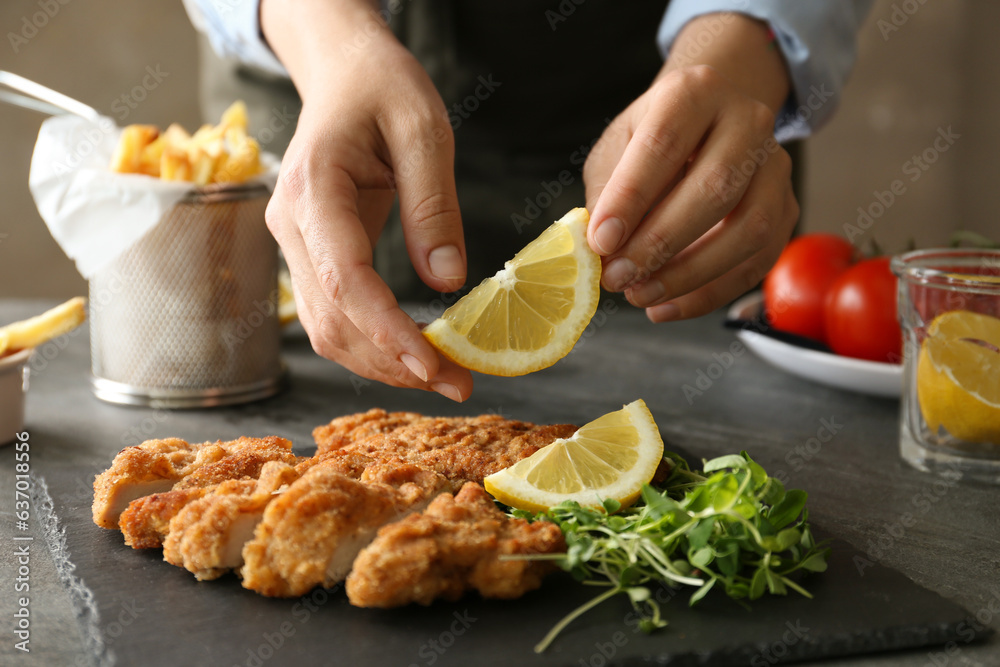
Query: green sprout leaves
x=731, y=527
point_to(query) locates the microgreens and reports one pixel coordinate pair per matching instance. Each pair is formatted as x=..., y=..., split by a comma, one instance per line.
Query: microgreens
x=732, y=528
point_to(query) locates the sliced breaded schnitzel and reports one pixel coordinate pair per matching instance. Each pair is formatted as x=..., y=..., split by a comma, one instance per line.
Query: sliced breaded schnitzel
x=450, y=548
x=246, y=459
x=311, y=533
x=207, y=535
x=157, y=466
x=352, y=428
x=290, y=523
x=146, y=520
x=460, y=448
x=151, y=467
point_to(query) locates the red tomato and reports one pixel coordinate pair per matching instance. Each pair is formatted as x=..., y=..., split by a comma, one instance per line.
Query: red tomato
x=795, y=289
x=860, y=313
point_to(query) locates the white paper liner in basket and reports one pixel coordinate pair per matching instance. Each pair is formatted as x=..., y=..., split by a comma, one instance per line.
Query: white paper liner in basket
x=93, y=213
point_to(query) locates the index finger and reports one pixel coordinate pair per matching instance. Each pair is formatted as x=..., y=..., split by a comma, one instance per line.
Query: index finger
x=341, y=256
x=656, y=153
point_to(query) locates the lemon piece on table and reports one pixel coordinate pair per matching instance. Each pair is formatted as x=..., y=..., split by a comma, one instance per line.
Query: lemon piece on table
x=531, y=313
x=958, y=376
x=611, y=457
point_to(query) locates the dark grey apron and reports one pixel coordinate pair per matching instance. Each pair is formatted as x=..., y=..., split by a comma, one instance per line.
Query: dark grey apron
x=529, y=87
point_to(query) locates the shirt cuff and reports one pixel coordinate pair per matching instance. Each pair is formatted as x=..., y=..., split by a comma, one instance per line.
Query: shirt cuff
x=816, y=38
x=233, y=29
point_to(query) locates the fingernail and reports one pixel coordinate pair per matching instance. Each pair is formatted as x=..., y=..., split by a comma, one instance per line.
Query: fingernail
x=448, y=391
x=619, y=273
x=415, y=366
x=665, y=312
x=609, y=235
x=446, y=263
x=647, y=293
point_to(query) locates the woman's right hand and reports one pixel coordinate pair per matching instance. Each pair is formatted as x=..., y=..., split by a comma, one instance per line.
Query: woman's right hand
x=372, y=125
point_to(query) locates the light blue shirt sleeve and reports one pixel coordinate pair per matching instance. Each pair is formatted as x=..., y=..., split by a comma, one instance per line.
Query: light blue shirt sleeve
x=233, y=28
x=816, y=37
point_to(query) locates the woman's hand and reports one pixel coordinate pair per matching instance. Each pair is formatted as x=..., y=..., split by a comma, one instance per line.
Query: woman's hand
x=372, y=124
x=690, y=195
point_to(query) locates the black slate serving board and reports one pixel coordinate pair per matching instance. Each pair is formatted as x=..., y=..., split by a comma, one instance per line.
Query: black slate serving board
x=136, y=609
x=859, y=607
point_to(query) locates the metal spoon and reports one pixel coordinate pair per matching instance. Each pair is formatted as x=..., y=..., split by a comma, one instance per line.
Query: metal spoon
x=40, y=98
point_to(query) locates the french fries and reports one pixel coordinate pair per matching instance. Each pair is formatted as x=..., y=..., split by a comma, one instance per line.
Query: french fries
x=222, y=153
x=42, y=328
x=128, y=157
x=287, y=311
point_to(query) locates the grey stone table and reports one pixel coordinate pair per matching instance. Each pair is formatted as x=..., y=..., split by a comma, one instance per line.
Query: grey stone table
x=93, y=601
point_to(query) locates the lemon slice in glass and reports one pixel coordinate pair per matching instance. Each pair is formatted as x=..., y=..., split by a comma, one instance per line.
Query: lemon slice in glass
x=958, y=376
x=531, y=313
x=611, y=457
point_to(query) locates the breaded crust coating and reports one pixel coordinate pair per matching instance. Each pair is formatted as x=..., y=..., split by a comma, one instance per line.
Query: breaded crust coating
x=148, y=484
x=207, y=536
x=146, y=520
x=460, y=448
x=452, y=547
x=311, y=533
x=351, y=428
x=151, y=467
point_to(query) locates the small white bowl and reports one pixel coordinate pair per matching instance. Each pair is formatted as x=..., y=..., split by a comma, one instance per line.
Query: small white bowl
x=13, y=388
x=859, y=375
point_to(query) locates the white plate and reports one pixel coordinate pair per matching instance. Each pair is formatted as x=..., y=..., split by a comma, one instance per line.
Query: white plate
x=866, y=377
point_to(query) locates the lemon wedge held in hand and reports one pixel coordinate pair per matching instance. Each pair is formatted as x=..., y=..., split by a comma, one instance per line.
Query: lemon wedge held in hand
x=531, y=313
x=611, y=457
x=958, y=376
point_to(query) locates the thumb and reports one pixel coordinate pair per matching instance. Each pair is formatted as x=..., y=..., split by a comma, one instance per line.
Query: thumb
x=600, y=165
x=428, y=206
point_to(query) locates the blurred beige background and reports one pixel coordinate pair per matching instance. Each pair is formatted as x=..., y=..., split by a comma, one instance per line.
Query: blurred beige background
x=937, y=71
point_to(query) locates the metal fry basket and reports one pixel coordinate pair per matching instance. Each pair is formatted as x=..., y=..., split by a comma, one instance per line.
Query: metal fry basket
x=187, y=317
